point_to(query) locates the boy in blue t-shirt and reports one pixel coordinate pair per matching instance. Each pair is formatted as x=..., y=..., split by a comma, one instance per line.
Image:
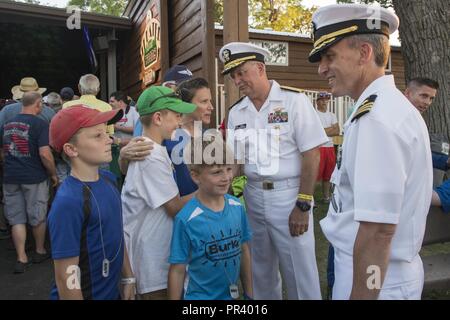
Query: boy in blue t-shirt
x=85, y=221
x=211, y=235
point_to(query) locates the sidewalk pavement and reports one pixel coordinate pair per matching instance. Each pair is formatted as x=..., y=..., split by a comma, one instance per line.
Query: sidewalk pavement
x=34, y=284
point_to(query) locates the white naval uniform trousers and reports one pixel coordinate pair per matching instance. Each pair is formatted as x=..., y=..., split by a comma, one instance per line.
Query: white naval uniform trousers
x=273, y=249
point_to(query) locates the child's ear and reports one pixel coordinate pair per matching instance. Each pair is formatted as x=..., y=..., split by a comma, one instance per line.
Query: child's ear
x=70, y=150
x=194, y=177
x=157, y=118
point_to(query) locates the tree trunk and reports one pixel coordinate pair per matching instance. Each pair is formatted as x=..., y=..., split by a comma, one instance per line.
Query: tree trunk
x=425, y=35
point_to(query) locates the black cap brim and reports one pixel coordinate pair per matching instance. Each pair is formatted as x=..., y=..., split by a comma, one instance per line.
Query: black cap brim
x=315, y=55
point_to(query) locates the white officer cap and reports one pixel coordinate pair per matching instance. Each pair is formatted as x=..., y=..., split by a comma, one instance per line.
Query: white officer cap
x=234, y=54
x=334, y=22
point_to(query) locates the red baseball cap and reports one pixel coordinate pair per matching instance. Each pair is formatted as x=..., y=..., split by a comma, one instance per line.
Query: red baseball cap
x=68, y=121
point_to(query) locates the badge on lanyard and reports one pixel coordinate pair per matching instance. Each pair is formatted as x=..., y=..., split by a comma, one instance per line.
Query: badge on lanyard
x=240, y=126
x=105, y=268
x=234, y=291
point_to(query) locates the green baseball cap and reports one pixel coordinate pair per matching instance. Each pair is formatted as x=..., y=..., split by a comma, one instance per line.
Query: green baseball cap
x=158, y=98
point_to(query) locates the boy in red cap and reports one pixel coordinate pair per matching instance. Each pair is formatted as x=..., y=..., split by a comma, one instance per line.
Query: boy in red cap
x=85, y=221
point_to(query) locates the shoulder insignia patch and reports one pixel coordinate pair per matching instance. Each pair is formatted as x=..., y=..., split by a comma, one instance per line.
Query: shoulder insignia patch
x=365, y=107
x=292, y=89
x=237, y=102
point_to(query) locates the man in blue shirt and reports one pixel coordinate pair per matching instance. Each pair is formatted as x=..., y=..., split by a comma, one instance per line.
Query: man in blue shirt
x=28, y=163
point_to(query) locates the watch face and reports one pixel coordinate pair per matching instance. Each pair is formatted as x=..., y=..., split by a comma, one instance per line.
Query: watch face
x=303, y=206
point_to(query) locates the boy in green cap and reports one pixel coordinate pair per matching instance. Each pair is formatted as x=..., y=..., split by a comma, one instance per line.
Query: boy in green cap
x=150, y=194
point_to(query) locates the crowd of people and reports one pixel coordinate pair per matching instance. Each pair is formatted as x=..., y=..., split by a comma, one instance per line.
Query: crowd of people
x=135, y=212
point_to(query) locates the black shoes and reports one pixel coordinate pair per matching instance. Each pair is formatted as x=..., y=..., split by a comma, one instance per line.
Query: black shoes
x=20, y=267
x=40, y=257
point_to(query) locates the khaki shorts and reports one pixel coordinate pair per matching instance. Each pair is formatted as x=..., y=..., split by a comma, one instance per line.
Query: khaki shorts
x=26, y=203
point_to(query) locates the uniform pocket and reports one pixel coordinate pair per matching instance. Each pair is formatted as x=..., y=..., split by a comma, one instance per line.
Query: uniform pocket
x=278, y=128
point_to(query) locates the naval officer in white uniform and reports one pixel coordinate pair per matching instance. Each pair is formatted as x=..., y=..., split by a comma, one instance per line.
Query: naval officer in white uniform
x=376, y=219
x=281, y=133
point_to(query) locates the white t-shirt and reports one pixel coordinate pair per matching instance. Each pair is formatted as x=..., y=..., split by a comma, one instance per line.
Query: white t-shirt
x=328, y=119
x=128, y=120
x=148, y=229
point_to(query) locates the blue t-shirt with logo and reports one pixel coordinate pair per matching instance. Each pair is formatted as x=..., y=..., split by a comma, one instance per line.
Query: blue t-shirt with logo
x=21, y=138
x=74, y=233
x=175, y=150
x=210, y=243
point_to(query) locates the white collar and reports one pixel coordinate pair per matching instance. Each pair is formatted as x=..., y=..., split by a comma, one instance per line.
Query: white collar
x=275, y=94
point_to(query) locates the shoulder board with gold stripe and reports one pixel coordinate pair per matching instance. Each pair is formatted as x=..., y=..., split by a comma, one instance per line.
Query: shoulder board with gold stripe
x=291, y=89
x=237, y=102
x=365, y=107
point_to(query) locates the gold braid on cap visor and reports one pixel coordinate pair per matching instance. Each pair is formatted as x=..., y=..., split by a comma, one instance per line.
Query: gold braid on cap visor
x=327, y=38
x=237, y=62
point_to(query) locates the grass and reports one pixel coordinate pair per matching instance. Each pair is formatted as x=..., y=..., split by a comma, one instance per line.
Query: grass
x=322, y=243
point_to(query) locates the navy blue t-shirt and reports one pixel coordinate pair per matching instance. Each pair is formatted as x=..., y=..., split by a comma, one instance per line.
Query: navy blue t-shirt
x=22, y=137
x=71, y=236
x=182, y=175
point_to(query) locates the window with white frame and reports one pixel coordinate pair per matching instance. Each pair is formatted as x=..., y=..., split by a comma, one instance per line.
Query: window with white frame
x=279, y=51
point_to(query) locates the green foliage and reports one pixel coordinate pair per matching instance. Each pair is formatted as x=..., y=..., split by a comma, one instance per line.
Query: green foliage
x=218, y=11
x=279, y=15
x=109, y=7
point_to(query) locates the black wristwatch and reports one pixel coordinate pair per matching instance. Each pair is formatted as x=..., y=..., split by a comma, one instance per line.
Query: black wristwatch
x=303, y=205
